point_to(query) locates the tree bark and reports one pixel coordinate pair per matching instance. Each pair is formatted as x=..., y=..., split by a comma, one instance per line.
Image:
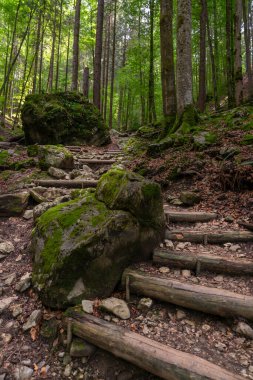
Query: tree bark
x=230, y=66
x=210, y=237
x=238, y=53
x=167, y=61
x=156, y=358
x=197, y=297
x=202, y=59
x=98, y=55
x=247, y=47
x=113, y=65
x=75, y=62
x=86, y=82
x=151, y=92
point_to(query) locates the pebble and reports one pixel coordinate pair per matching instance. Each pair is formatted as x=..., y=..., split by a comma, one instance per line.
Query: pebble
x=67, y=370
x=145, y=304
x=250, y=368
x=206, y=328
x=169, y=244
x=6, y=302
x=244, y=329
x=33, y=320
x=218, y=278
x=180, y=315
x=27, y=362
x=61, y=354
x=79, y=348
x=117, y=307
x=186, y=273
x=28, y=214
x=235, y=248
x=23, y=373
x=164, y=270
x=6, y=338
x=10, y=279
x=16, y=310
x=87, y=306
x=6, y=248
x=220, y=346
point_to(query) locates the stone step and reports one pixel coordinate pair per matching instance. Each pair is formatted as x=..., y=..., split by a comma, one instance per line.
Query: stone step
x=95, y=162
x=150, y=355
x=70, y=184
x=203, y=262
x=188, y=217
x=209, y=237
x=206, y=299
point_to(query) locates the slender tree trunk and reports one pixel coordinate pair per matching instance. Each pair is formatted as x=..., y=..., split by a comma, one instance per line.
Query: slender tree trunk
x=37, y=48
x=121, y=91
x=238, y=53
x=185, y=109
x=151, y=94
x=212, y=58
x=86, y=82
x=142, y=96
x=202, y=59
x=113, y=64
x=107, y=66
x=51, y=67
x=167, y=61
x=230, y=68
x=67, y=63
x=98, y=55
x=58, y=49
x=75, y=63
x=247, y=46
x=42, y=47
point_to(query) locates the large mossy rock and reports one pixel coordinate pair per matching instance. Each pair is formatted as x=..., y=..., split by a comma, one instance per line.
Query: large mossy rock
x=13, y=204
x=63, y=118
x=82, y=247
x=55, y=156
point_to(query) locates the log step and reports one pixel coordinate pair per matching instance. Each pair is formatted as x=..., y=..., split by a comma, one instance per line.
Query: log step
x=203, y=262
x=96, y=162
x=188, y=217
x=210, y=237
x=197, y=297
x=152, y=356
x=80, y=184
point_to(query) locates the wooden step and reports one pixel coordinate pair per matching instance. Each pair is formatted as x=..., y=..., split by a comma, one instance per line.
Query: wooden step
x=75, y=184
x=203, y=262
x=188, y=217
x=152, y=356
x=95, y=162
x=197, y=297
x=209, y=237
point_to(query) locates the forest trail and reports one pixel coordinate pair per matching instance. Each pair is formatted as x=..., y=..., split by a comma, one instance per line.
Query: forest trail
x=199, y=275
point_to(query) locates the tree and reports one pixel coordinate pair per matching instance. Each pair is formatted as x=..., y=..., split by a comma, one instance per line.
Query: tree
x=75, y=62
x=167, y=61
x=98, y=55
x=151, y=93
x=202, y=59
x=238, y=53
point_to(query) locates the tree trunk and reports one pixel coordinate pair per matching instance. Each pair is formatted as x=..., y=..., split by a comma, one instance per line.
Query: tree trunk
x=167, y=62
x=238, y=54
x=59, y=48
x=159, y=359
x=98, y=55
x=247, y=47
x=37, y=48
x=67, y=63
x=202, y=59
x=75, y=62
x=230, y=67
x=51, y=67
x=185, y=108
x=151, y=92
x=86, y=82
x=113, y=64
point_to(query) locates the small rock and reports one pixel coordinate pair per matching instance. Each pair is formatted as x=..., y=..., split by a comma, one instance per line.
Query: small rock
x=23, y=373
x=186, y=273
x=6, y=338
x=182, y=246
x=180, y=315
x=67, y=370
x=27, y=362
x=3, y=376
x=219, y=278
x=107, y=318
x=206, y=328
x=117, y=307
x=250, y=368
x=28, y=214
x=244, y=329
x=169, y=244
x=16, y=310
x=33, y=320
x=6, y=248
x=6, y=302
x=189, y=198
x=24, y=283
x=87, y=306
x=229, y=219
x=61, y=355
x=164, y=270
x=220, y=346
x=79, y=348
x=145, y=304
x=57, y=173
x=235, y=247
x=176, y=202
x=10, y=279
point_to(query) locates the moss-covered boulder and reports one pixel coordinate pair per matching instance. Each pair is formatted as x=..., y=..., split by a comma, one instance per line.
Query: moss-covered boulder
x=123, y=190
x=63, y=118
x=55, y=156
x=82, y=247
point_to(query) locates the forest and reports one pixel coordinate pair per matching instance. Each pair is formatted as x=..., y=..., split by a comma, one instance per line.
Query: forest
x=126, y=189
x=140, y=61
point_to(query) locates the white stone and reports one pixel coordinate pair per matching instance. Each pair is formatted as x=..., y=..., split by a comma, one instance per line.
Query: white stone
x=186, y=273
x=164, y=270
x=6, y=247
x=28, y=214
x=77, y=290
x=33, y=320
x=87, y=306
x=244, y=329
x=6, y=302
x=117, y=307
x=23, y=373
x=145, y=304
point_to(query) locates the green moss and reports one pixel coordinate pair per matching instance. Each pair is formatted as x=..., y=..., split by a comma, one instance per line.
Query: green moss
x=6, y=174
x=151, y=191
x=247, y=140
x=25, y=164
x=4, y=158
x=111, y=184
x=32, y=150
